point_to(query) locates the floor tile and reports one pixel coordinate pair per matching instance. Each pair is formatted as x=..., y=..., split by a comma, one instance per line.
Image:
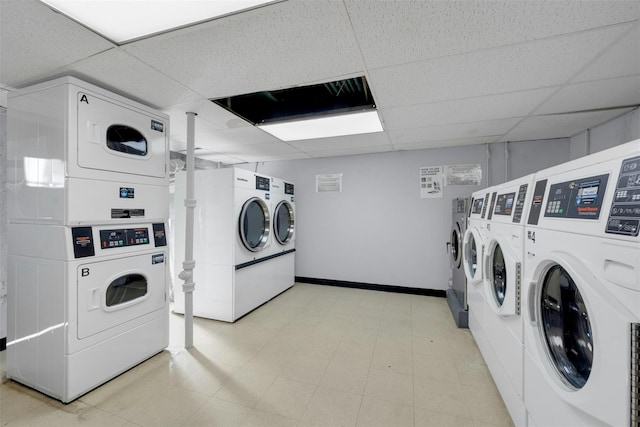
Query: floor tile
x=331, y=407
x=219, y=413
x=347, y=377
x=399, y=361
x=258, y=418
x=287, y=398
x=246, y=387
x=427, y=418
x=307, y=369
x=390, y=386
x=383, y=413
x=440, y=396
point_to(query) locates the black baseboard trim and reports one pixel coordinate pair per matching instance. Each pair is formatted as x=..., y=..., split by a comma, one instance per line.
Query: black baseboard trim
x=267, y=258
x=373, y=287
x=3, y=344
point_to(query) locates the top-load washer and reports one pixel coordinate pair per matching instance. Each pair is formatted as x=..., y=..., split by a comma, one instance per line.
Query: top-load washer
x=582, y=292
x=233, y=248
x=503, y=266
x=79, y=154
x=457, y=294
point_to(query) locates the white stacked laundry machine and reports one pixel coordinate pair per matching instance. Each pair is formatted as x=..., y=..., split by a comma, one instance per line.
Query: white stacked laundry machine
x=88, y=260
x=239, y=263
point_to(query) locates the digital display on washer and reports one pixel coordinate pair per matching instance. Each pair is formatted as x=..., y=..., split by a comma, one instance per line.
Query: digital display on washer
x=476, y=208
x=484, y=205
x=262, y=183
x=624, y=216
x=123, y=237
x=504, y=204
x=493, y=204
x=580, y=198
x=288, y=188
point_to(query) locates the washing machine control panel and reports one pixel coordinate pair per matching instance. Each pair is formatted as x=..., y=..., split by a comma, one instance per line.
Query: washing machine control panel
x=262, y=183
x=578, y=198
x=288, y=188
x=504, y=204
x=624, y=216
x=117, y=238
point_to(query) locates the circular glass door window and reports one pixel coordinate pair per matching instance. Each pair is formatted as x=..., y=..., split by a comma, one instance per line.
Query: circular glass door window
x=455, y=241
x=471, y=255
x=254, y=224
x=498, y=275
x=566, y=327
x=284, y=222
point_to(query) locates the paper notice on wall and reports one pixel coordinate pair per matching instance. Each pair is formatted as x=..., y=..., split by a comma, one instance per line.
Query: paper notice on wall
x=431, y=182
x=329, y=183
x=463, y=174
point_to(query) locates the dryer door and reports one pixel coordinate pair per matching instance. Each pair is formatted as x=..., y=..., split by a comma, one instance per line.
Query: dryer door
x=284, y=222
x=115, y=291
x=504, y=274
x=254, y=224
x=455, y=245
x=472, y=250
x=116, y=138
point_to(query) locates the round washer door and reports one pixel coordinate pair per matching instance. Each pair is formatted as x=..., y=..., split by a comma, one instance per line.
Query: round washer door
x=284, y=222
x=503, y=271
x=455, y=241
x=472, y=255
x=255, y=224
x=565, y=327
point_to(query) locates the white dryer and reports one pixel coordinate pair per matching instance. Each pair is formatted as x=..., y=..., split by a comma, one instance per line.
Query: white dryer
x=79, y=154
x=503, y=265
x=582, y=292
x=282, y=264
x=233, y=245
x=84, y=303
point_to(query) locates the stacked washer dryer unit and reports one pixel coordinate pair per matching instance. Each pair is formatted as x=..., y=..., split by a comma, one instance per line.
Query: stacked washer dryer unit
x=473, y=247
x=284, y=223
x=582, y=292
x=503, y=267
x=88, y=202
x=457, y=294
x=234, y=248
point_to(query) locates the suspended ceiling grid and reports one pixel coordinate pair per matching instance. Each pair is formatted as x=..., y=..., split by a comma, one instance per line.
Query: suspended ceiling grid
x=442, y=73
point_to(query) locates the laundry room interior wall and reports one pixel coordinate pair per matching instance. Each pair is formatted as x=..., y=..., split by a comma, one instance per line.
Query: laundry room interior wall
x=378, y=230
x=614, y=132
x=3, y=228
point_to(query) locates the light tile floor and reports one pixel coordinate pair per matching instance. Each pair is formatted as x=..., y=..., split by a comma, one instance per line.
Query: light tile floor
x=313, y=356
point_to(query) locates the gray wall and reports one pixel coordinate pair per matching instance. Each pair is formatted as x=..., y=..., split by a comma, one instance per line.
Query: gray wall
x=615, y=132
x=378, y=230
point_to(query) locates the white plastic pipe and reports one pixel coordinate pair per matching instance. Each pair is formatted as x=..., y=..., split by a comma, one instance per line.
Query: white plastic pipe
x=189, y=263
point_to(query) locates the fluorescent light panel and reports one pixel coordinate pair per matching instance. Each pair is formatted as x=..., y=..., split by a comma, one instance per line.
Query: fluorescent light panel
x=126, y=20
x=326, y=127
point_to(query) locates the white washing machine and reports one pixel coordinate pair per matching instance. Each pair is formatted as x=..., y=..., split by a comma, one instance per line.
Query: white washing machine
x=582, y=292
x=503, y=266
x=79, y=154
x=233, y=245
x=87, y=308
x=457, y=293
x=284, y=224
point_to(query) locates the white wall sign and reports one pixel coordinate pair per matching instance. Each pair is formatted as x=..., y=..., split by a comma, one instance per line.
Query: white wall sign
x=431, y=182
x=463, y=174
x=329, y=183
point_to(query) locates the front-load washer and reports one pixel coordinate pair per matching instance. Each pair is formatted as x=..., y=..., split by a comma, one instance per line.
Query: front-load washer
x=457, y=293
x=232, y=249
x=283, y=227
x=582, y=292
x=84, y=303
x=503, y=265
x=79, y=154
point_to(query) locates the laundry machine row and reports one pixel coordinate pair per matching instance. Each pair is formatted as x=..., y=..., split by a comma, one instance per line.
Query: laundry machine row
x=88, y=261
x=245, y=248
x=554, y=302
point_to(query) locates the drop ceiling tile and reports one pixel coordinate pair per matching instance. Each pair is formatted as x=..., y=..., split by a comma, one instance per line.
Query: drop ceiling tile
x=274, y=158
x=379, y=139
x=350, y=151
x=447, y=143
x=392, y=32
x=592, y=95
x=35, y=41
x=454, y=131
x=276, y=46
x=491, y=107
x=559, y=125
x=621, y=59
x=532, y=65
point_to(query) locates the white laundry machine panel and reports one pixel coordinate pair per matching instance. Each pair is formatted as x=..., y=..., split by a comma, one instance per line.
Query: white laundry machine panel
x=235, y=270
x=284, y=216
x=503, y=265
x=67, y=134
x=84, y=303
x=581, y=291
